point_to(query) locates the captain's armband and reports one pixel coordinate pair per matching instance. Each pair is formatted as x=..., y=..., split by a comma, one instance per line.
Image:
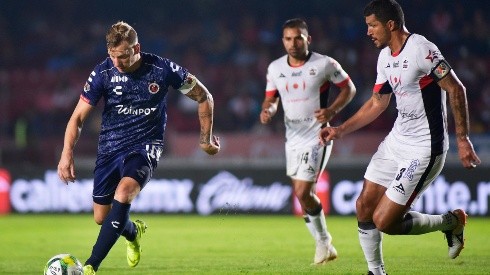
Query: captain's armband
x=440, y=70
x=189, y=83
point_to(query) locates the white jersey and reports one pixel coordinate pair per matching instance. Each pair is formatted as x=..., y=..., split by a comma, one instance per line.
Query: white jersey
x=412, y=75
x=303, y=90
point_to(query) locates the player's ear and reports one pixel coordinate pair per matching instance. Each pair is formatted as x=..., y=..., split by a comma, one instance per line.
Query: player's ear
x=391, y=25
x=137, y=48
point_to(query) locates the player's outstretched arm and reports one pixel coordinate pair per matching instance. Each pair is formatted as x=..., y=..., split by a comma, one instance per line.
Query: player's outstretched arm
x=66, y=166
x=365, y=115
x=459, y=107
x=207, y=141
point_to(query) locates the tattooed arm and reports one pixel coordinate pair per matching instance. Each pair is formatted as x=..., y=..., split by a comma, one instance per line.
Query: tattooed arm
x=207, y=141
x=459, y=107
x=365, y=115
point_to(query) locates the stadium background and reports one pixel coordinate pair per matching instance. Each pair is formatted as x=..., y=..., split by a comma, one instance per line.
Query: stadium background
x=48, y=48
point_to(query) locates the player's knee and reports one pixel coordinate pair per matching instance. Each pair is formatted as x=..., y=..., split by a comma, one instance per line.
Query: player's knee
x=127, y=190
x=98, y=219
x=384, y=225
x=364, y=209
x=303, y=195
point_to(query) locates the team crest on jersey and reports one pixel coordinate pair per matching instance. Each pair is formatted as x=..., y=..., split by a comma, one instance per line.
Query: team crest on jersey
x=153, y=88
x=405, y=64
x=86, y=87
x=313, y=71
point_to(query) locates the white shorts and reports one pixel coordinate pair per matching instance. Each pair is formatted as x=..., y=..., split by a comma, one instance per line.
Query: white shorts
x=305, y=163
x=405, y=172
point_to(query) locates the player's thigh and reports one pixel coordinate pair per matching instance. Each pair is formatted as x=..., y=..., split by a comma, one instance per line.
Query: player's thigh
x=106, y=179
x=416, y=171
x=382, y=167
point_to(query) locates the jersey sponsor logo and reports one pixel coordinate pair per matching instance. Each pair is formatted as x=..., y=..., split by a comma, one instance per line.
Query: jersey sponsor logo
x=399, y=188
x=117, y=78
x=86, y=87
x=299, y=120
x=396, y=64
x=125, y=110
x=153, y=88
x=117, y=90
x=410, y=115
x=296, y=73
x=411, y=169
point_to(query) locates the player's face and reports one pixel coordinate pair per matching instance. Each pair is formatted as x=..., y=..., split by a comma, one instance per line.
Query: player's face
x=377, y=31
x=296, y=42
x=125, y=57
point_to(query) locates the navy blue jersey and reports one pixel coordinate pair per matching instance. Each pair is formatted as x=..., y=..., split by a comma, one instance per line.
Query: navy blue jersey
x=135, y=103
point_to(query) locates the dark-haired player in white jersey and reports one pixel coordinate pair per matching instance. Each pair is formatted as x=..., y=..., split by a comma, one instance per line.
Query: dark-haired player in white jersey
x=413, y=154
x=134, y=87
x=301, y=80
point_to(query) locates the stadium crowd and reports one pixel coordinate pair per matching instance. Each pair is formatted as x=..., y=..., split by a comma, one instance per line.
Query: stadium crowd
x=49, y=47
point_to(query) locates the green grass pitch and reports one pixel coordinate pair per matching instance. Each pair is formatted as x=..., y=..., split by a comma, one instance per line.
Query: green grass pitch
x=232, y=244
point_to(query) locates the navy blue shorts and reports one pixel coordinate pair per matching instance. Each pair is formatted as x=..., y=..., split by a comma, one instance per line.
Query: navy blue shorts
x=137, y=164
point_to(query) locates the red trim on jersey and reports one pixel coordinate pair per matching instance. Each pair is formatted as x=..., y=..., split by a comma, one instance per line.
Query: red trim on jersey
x=324, y=87
x=424, y=81
x=377, y=87
x=270, y=93
x=85, y=99
x=343, y=83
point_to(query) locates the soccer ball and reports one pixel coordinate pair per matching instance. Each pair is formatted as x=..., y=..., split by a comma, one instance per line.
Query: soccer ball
x=63, y=264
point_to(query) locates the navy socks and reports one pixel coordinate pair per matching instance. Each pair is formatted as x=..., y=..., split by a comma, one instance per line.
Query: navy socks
x=116, y=222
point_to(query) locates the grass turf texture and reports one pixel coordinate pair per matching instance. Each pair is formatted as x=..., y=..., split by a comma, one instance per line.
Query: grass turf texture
x=231, y=244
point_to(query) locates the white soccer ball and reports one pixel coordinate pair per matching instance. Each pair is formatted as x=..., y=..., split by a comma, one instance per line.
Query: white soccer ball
x=63, y=264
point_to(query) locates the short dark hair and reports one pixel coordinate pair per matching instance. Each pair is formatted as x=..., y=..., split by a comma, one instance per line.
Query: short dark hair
x=295, y=23
x=119, y=32
x=386, y=10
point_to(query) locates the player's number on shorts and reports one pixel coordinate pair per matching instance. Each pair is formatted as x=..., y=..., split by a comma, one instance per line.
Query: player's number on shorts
x=153, y=151
x=304, y=157
x=399, y=176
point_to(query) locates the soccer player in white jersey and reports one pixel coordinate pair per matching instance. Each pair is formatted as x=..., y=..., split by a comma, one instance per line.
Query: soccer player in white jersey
x=301, y=80
x=413, y=154
x=134, y=86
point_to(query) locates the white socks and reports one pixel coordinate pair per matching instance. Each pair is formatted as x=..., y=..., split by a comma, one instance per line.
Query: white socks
x=416, y=223
x=371, y=239
x=319, y=224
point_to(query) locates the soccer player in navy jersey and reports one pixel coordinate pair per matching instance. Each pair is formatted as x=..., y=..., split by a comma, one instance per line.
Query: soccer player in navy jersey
x=410, y=158
x=134, y=87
